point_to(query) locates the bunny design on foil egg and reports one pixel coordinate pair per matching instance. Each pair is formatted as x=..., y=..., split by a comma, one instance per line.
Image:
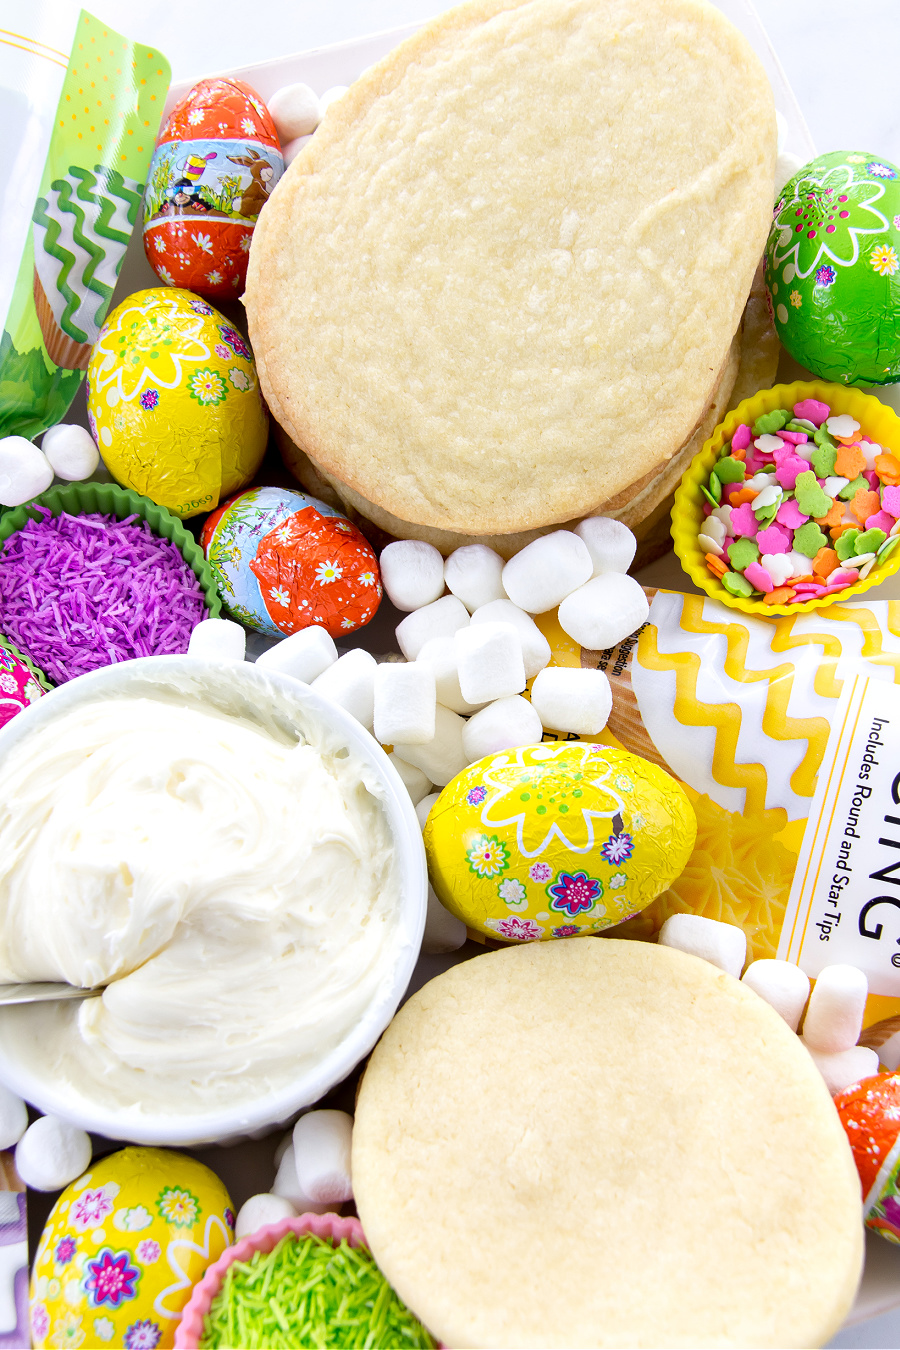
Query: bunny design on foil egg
x=216, y=161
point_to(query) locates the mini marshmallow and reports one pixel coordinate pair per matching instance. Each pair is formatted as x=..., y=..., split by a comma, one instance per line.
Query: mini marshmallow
x=781, y=984
x=291, y=150
x=723, y=944
x=412, y=573
x=71, y=451
x=474, y=574
x=322, y=1142
x=568, y=699
x=261, y=1210
x=13, y=1118
x=331, y=96
x=609, y=608
x=841, y=1068
x=501, y=726
x=442, y=618
x=543, y=573
x=414, y=780
x=287, y=1186
x=424, y=805
x=303, y=656
x=350, y=682
x=490, y=663
x=404, y=703
x=51, y=1153
x=442, y=758
x=218, y=640
x=444, y=932
x=441, y=655
x=611, y=544
x=295, y=111
x=834, y=1017
x=25, y=471
x=535, y=647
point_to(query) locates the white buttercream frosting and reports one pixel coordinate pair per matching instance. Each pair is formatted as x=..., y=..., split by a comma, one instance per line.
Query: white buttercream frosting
x=234, y=889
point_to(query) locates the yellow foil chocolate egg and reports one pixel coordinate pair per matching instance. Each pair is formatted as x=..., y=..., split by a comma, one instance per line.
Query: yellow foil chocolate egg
x=174, y=401
x=122, y=1249
x=557, y=839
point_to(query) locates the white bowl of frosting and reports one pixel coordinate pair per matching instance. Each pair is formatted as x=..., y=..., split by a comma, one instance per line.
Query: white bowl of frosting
x=237, y=862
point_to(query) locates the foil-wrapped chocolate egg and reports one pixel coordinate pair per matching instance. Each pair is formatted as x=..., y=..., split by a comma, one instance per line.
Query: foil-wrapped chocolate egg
x=124, y=1246
x=216, y=161
x=553, y=840
x=832, y=268
x=870, y=1114
x=285, y=561
x=174, y=402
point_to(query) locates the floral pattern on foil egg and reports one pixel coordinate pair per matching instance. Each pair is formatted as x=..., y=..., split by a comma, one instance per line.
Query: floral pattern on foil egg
x=285, y=561
x=555, y=840
x=18, y=686
x=122, y=1249
x=216, y=162
x=174, y=402
x=870, y=1114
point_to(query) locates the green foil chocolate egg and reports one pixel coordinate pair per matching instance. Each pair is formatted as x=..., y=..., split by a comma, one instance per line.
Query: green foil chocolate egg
x=833, y=268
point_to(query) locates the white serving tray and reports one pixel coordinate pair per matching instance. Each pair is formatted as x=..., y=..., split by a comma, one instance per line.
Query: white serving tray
x=341, y=64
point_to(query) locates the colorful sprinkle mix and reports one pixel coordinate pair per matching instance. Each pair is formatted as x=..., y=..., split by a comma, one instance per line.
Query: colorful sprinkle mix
x=306, y=1292
x=80, y=592
x=799, y=505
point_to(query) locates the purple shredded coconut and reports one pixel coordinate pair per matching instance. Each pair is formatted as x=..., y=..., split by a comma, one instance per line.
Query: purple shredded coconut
x=80, y=592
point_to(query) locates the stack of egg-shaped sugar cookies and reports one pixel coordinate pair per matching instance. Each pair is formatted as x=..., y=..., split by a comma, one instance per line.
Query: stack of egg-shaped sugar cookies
x=502, y=286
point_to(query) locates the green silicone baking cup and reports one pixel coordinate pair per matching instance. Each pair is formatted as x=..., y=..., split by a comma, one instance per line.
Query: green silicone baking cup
x=107, y=499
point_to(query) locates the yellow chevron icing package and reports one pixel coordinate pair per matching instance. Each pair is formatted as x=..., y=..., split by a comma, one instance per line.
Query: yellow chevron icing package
x=785, y=733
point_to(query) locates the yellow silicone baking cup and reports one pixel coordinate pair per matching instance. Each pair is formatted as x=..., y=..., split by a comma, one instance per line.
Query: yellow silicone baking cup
x=875, y=419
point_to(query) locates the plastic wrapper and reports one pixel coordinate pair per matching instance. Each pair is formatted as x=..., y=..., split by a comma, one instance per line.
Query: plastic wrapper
x=833, y=268
x=785, y=735
x=88, y=103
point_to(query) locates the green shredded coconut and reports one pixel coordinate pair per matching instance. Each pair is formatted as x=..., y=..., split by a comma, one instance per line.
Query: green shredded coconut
x=307, y=1292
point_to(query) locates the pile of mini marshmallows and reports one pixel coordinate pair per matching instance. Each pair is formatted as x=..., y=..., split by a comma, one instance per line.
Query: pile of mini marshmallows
x=66, y=452
x=457, y=696
x=800, y=506
x=296, y=111
x=313, y=1177
x=50, y=1152
x=834, y=1011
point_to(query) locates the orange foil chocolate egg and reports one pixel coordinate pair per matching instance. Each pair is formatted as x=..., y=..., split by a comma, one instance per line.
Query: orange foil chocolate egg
x=216, y=160
x=285, y=561
x=870, y=1114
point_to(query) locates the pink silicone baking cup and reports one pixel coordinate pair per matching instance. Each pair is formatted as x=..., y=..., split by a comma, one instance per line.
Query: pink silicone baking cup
x=330, y=1226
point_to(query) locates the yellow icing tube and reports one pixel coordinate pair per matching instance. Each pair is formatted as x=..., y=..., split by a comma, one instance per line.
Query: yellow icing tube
x=785, y=734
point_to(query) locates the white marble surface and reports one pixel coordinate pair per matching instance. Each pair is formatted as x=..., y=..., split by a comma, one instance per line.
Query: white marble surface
x=840, y=60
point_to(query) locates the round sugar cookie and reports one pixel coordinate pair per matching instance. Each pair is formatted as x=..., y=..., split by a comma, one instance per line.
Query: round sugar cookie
x=497, y=287
x=605, y=1143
